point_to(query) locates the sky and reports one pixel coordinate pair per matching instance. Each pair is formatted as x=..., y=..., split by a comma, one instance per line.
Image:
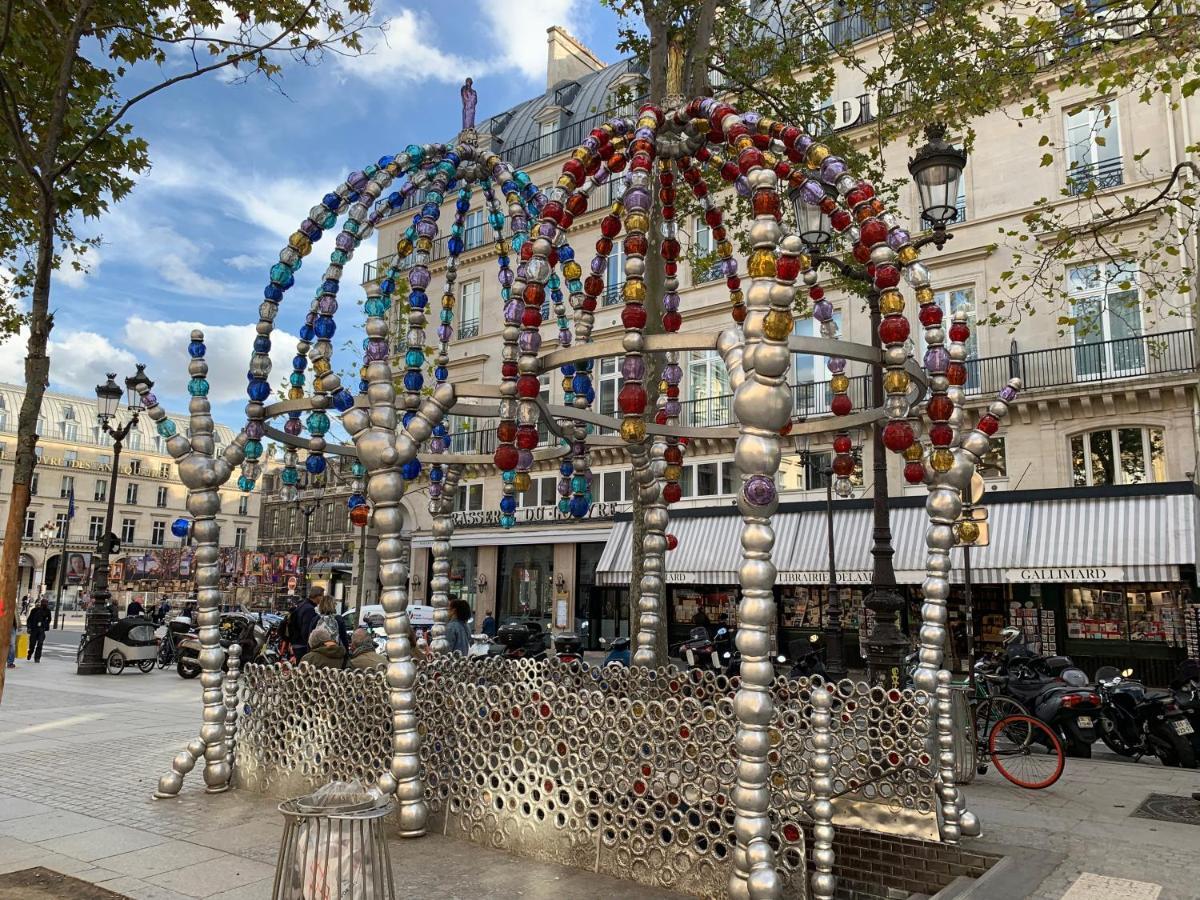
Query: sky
x=235, y=168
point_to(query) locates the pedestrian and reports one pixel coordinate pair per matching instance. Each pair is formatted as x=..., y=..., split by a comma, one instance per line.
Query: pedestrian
x=363, y=654
x=327, y=610
x=37, y=625
x=489, y=625
x=326, y=652
x=301, y=621
x=25, y=605
x=12, y=636
x=134, y=609
x=457, y=632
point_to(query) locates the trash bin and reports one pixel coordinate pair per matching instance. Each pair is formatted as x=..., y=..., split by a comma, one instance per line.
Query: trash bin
x=22, y=640
x=334, y=848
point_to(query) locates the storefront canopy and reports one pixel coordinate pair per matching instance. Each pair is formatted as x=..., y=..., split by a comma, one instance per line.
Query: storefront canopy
x=1113, y=538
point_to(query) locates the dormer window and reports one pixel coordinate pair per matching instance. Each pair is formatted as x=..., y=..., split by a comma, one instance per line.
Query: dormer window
x=549, y=120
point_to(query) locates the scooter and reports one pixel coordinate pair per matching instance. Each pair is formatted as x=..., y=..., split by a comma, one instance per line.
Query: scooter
x=1137, y=722
x=568, y=648
x=808, y=656
x=618, y=651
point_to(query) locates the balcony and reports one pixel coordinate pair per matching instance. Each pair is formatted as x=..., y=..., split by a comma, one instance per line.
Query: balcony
x=612, y=294
x=1097, y=176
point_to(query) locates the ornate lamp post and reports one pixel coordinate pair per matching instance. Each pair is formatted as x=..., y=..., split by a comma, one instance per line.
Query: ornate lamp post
x=108, y=397
x=936, y=168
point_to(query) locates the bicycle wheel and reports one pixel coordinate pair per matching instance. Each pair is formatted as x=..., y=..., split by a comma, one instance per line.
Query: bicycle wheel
x=1026, y=752
x=990, y=711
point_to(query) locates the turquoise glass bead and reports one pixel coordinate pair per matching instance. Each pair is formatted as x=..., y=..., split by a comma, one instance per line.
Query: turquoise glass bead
x=245, y=484
x=340, y=257
x=296, y=379
x=317, y=423
x=414, y=153
x=253, y=449
x=166, y=428
x=374, y=307
x=508, y=476
x=289, y=475
x=414, y=358
x=329, y=221
x=198, y=387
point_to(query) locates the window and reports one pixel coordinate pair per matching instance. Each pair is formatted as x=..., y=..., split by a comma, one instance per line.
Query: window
x=158, y=531
x=61, y=525
x=469, y=498
x=128, y=530
x=33, y=482
x=955, y=301
x=542, y=492
x=547, y=139
x=104, y=461
x=239, y=538
x=1108, y=320
x=704, y=246
x=164, y=469
x=614, y=278
x=622, y=100
x=611, y=487
x=608, y=385
x=100, y=493
x=995, y=463
x=708, y=390
x=70, y=458
x=1127, y=612
x=330, y=514
x=30, y=523
x=135, y=465
x=808, y=369
x=1093, y=149
x=706, y=479
x=70, y=427
x=960, y=202
x=731, y=481
x=1118, y=456
x=816, y=470
x=3, y=413
x=67, y=488
x=39, y=451
x=131, y=494
x=95, y=528
x=161, y=500
x=243, y=505
x=469, y=309
x=3, y=447
x=475, y=229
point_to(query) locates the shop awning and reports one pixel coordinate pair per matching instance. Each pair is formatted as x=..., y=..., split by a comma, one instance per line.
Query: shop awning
x=1112, y=538
x=494, y=537
x=335, y=565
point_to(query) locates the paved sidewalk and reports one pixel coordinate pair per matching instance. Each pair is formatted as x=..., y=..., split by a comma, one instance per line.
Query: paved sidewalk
x=80, y=757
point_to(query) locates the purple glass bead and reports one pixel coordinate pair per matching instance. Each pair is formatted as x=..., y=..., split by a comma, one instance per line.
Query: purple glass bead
x=327, y=305
x=418, y=278
x=832, y=168
x=444, y=332
x=564, y=337
x=759, y=490
x=506, y=277
x=751, y=119
x=344, y=241
x=519, y=224
x=672, y=373
x=435, y=489
x=897, y=238
x=633, y=368
x=356, y=180
x=644, y=134
x=310, y=317
x=564, y=487
x=547, y=230
x=529, y=341
x=836, y=365
x=729, y=267
x=671, y=301
x=672, y=408
x=512, y=312
x=524, y=460
x=376, y=350
x=637, y=198
x=292, y=426
x=437, y=445
x=309, y=225
x=936, y=359
x=1008, y=393
x=599, y=263
x=426, y=228
x=254, y=430
x=742, y=186
x=803, y=143
x=149, y=400
x=601, y=175
x=591, y=143
x=578, y=448
x=822, y=311
x=812, y=192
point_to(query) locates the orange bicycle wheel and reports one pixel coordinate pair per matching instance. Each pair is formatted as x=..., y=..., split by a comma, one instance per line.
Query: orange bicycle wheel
x=1026, y=752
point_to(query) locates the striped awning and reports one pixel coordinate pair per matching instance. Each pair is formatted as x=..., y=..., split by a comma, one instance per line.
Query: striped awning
x=1127, y=538
x=495, y=537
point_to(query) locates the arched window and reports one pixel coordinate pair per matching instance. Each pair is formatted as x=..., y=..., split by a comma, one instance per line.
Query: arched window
x=1127, y=455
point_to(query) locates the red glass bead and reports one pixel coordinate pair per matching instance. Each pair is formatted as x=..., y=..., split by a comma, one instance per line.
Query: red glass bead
x=642, y=161
x=959, y=331
x=666, y=195
x=914, y=472
x=729, y=171
x=893, y=329
x=748, y=159
x=632, y=398
x=610, y=227
x=841, y=405
x=593, y=285
x=786, y=429
x=739, y=313
x=636, y=245
x=791, y=832
x=733, y=282
x=604, y=246
x=940, y=408
x=843, y=465
x=782, y=170
x=762, y=141
x=360, y=516
x=841, y=220
x=531, y=317
x=867, y=188
x=633, y=316
x=527, y=437
x=873, y=232
x=930, y=315
x=828, y=205
x=861, y=253
x=789, y=135
x=816, y=292
x=534, y=293
x=589, y=304
x=671, y=321
x=552, y=211
x=941, y=435
x=574, y=168
x=616, y=163
x=787, y=268
x=669, y=248
x=898, y=436
x=671, y=267
x=527, y=251
x=673, y=454
x=672, y=541
x=666, y=177
x=508, y=369
x=988, y=424
x=506, y=432
x=842, y=444
x=712, y=217
x=672, y=492
x=766, y=203
x=956, y=373
x=719, y=233
x=505, y=457
x=886, y=277
x=528, y=386
x=660, y=417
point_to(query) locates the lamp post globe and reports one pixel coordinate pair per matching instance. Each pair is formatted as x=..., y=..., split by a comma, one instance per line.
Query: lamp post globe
x=108, y=398
x=936, y=168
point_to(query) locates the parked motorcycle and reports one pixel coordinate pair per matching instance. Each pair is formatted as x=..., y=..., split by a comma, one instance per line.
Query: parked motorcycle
x=522, y=639
x=717, y=653
x=1186, y=687
x=568, y=648
x=808, y=658
x=618, y=651
x=240, y=628
x=1138, y=722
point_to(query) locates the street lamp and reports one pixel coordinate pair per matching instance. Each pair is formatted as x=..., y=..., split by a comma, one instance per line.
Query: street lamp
x=936, y=168
x=305, y=498
x=46, y=535
x=99, y=617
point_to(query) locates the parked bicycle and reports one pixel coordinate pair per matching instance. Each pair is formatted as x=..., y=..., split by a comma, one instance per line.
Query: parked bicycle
x=1022, y=748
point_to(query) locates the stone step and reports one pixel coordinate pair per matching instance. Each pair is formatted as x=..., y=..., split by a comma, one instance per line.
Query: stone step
x=959, y=887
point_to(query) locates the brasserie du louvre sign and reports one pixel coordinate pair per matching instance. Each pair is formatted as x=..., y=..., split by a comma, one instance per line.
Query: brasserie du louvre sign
x=537, y=515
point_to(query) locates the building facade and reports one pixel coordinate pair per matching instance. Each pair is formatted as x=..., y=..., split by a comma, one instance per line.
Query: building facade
x=1091, y=493
x=74, y=457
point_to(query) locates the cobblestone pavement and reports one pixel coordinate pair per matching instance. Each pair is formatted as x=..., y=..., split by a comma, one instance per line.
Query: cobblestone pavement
x=79, y=758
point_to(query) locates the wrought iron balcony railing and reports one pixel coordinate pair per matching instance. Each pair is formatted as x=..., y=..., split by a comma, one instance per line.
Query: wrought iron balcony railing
x=1100, y=176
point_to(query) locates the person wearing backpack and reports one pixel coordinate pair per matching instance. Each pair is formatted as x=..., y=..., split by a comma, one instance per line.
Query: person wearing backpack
x=327, y=610
x=302, y=620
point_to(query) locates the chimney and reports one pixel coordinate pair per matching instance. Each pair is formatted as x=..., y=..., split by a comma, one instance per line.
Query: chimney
x=567, y=59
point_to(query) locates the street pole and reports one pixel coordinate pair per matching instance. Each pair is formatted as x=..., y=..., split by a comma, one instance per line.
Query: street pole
x=62, y=571
x=835, y=661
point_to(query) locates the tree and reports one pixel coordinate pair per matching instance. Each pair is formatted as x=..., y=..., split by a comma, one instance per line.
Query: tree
x=70, y=73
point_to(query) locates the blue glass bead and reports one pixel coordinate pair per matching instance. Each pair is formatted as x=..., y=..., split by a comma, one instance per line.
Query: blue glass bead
x=329, y=286
x=331, y=201
x=440, y=430
x=388, y=286
x=282, y=276
x=355, y=501
x=198, y=387
x=414, y=358
x=325, y=327
x=579, y=383
x=462, y=204
x=352, y=196
x=565, y=253
x=289, y=475
x=299, y=363
x=503, y=262
x=315, y=464
x=273, y=293
x=568, y=369
x=253, y=449
x=363, y=384
x=407, y=418
x=411, y=470
x=262, y=344
x=590, y=395
x=455, y=246
x=385, y=161
x=342, y=400
x=394, y=199
x=196, y=349
x=413, y=381
x=418, y=300
x=441, y=373
x=436, y=473
x=166, y=428
x=245, y=483
x=564, y=506
x=508, y=504
x=579, y=507
x=508, y=521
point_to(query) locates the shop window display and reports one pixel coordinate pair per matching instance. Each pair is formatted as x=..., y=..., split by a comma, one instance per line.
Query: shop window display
x=714, y=602
x=1138, y=612
x=805, y=606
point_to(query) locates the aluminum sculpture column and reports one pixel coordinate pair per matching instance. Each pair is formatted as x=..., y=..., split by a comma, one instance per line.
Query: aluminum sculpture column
x=442, y=509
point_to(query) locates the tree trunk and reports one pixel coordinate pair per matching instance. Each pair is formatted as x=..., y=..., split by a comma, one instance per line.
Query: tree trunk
x=37, y=374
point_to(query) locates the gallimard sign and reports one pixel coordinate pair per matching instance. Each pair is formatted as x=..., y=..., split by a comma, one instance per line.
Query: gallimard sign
x=1066, y=574
x=537, y=515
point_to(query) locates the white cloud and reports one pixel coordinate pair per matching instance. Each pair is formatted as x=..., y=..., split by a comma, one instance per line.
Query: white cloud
x=407, y=52
x=244, y=262
x=78, y=359
x=75, y=268
x=518, y=28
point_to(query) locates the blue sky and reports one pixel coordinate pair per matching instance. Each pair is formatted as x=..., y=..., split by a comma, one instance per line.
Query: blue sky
x=236, y=167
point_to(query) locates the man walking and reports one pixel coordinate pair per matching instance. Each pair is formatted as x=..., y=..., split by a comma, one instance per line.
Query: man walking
x=37, y=625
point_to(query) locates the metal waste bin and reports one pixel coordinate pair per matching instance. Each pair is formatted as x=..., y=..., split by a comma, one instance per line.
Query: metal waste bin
x=335, y=852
